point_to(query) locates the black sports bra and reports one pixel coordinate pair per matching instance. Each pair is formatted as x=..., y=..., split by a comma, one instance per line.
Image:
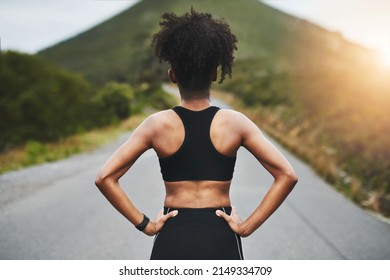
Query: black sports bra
x=197, y=158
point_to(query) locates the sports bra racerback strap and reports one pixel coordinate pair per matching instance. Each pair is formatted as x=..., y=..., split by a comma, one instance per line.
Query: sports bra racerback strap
x=197, y=158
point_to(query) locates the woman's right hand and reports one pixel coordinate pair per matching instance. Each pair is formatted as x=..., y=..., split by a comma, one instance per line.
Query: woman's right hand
x=155, y=226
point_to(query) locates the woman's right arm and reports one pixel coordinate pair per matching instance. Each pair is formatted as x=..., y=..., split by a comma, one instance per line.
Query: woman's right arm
x=108, y=178
x=277, y=165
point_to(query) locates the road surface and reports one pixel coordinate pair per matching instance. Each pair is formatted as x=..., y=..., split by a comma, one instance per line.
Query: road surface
x=54, y=211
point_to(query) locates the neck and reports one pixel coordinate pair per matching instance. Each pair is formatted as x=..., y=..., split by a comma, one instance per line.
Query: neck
x=195, y=100
x=196, y=104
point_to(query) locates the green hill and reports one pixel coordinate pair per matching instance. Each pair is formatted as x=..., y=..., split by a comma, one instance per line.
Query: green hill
x=120, y=47
x=309, y=85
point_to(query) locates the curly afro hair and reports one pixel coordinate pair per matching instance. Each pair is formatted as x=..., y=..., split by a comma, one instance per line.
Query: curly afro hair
x=195, y=44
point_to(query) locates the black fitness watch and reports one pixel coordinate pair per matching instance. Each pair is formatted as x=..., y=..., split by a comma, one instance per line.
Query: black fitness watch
x=143, y=224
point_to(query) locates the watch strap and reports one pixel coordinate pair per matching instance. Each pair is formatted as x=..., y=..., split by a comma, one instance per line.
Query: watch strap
x=143, y=224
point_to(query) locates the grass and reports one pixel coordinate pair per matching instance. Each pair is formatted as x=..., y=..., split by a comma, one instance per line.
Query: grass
x=35, y=152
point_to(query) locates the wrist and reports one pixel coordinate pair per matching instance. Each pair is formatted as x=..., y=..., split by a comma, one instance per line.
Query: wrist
x=143, y=224
x=243, y=230
x=150, y=229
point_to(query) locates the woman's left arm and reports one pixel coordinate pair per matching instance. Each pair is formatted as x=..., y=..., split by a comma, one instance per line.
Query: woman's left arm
x=108, y=177
x=278, y=166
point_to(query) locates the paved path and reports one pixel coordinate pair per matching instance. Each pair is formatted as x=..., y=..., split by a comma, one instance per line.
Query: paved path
x=54, y=211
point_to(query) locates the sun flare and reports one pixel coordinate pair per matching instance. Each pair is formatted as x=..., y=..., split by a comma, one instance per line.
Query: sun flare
x=386, y=59
x=386, y=55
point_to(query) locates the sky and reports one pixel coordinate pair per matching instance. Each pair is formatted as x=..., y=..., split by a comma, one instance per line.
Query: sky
x=31, y=25
x=366, y=22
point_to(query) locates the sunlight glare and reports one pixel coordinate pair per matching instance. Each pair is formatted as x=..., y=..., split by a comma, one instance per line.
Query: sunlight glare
x=386, y=54
x=386, y=59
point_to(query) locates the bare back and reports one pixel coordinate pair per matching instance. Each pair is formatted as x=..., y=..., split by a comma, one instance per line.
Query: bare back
x=169, y=135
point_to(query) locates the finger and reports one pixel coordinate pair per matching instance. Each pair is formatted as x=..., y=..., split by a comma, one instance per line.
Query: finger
x=173, y=213
x=164, y=218
x=222, y=214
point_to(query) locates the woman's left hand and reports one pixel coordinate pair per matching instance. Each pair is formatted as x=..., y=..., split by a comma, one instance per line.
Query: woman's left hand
x=233, y=220
x=155, y=226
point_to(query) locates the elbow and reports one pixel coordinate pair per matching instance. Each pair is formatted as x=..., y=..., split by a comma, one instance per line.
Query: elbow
x=106, y=179
x=100, y=180
x=290, y=178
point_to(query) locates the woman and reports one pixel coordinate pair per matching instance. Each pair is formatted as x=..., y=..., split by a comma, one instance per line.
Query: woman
x=196, y=144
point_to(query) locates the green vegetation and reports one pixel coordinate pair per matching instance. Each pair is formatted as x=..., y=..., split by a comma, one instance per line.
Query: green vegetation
x=34, y=152
x=41, y=102
x=323, y=96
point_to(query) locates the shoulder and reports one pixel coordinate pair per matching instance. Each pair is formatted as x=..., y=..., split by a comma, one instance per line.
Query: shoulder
x=158, y=121
x=238, y=122
x=233, y=117
x=232, y=114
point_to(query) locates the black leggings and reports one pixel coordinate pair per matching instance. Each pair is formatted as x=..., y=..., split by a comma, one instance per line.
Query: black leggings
x=197, y=234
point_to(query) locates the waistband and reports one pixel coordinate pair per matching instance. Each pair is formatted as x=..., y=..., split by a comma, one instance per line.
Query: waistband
x=226, y=209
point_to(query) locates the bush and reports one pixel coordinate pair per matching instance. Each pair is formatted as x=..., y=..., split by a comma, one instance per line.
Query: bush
x=41, y=102
x=260, y=83
x=152, y=96
x=114, y=102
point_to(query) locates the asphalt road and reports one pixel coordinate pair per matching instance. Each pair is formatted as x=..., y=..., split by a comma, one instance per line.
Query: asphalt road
x=54, y=211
